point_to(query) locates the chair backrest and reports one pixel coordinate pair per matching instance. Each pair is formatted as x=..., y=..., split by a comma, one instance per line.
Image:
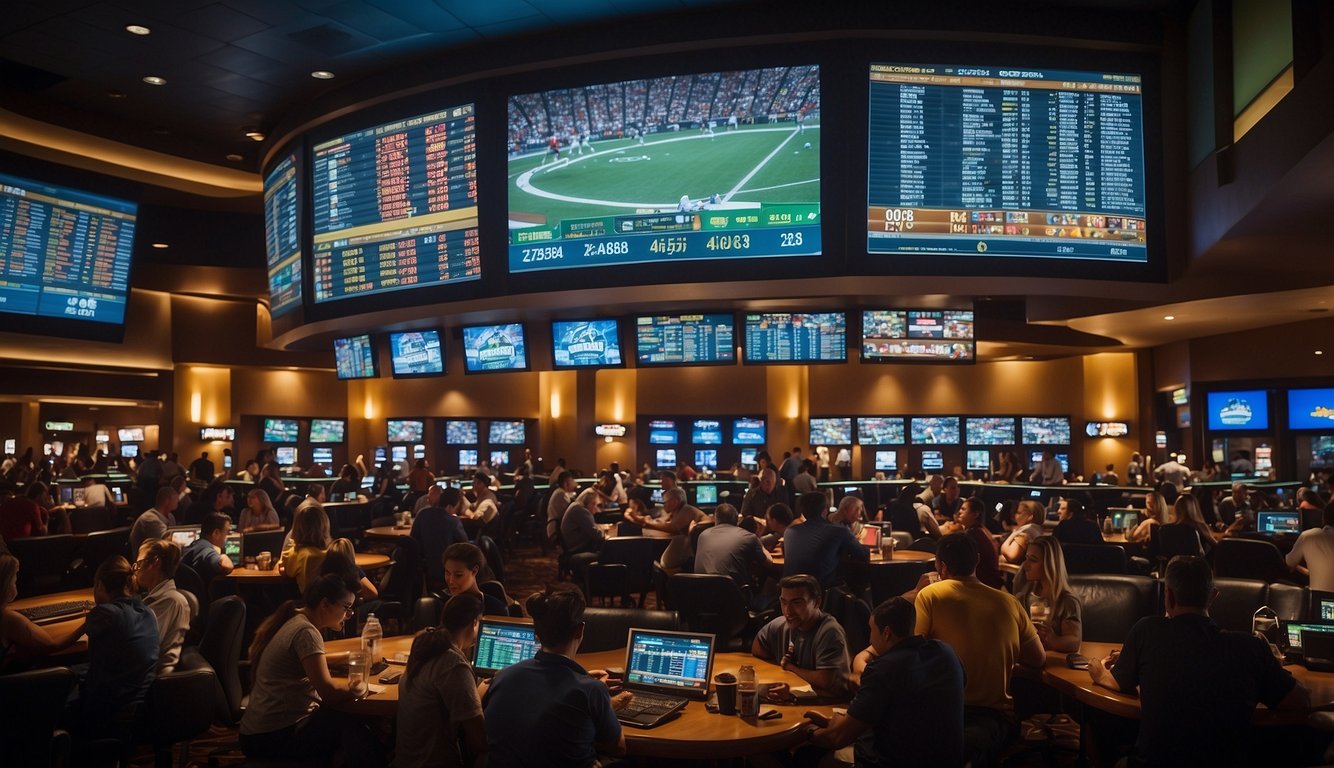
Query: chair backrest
x=1237, y=602
x=606, y=629
x=89, y=519
x=1289, y=601
x=263, y=541
x=890, y=578
x=1312, y=518
x=637, y=554
x=494, y=589
x=426, y=612
x=404, y=581
x=45, y=562
x=1173, y=540
x=924, y=544
x=699, y=528
x=1112, y=603
x=95, y=548
x=222, y=646
x=607, y=580
x=188, y=580
x=32, y=707
x=1094, y=558
x=709, y=603
x=178, y=707
x=1249, y=559
x=492, y=554
x=852, y=613
x=902, y=539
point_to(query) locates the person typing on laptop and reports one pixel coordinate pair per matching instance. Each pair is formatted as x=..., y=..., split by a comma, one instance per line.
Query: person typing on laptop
x=805, y=640
x=1314, y=551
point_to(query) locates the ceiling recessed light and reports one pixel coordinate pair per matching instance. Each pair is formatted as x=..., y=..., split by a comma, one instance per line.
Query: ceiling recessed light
x=161, y=246
x=1320, y=351
x=114, y=94
x=322, y=74
x=155, y=80
x=235, y=158
x=255, y=135
x=1169, y=317
x=137, y=29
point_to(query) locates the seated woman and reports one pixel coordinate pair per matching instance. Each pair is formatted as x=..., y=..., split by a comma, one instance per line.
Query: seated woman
x=1043, y=580
x=1155, y=511
x=19, y=637
x=463, y=563
x=259, y=514
x=341, y=559
x=548, y=710
x=292, y=713
x=1028, y=517
x=1186, y=512
x=438, y=702
x=309, y=540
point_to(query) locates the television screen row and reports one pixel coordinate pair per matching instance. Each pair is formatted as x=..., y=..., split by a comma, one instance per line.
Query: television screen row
x=941, y=430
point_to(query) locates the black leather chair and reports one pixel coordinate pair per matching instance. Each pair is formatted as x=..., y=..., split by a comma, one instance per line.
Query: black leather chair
x=924, y=544
x=188, y=581
x=45, y=562
x=607, y=580
x=1112, y=603
x=93, y=550
x=1237, y=602
x=890, y=578
x=32, y=707
x=178, y=708
x=426, y=612
x=607, y=629
x=1095, y=558
x=1168, y=541
x=710, y=603
x=1289, y=601
x=495, y=589
x=852, y=613
x=90, y=519
x=637, y=554
x=1250, y=559
x=221, y=649
x=262, y=541
x=494, y=561
x=403, y=583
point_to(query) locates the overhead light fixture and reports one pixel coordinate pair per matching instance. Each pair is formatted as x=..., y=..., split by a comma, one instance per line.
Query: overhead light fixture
x=1169, y=317
x=114, y=94
x=254, y=135
x=1320, y=351
x=235, y=158
x=138, y=29
x=322, y=74
x=161, y=246
x=155, y=80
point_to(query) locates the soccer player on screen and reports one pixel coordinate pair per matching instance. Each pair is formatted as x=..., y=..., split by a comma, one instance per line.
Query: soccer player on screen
x=553, y=148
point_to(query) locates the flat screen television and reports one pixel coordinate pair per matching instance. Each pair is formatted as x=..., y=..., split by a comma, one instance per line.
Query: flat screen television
x=399, y=453
x=664, y=169
x=282, y=235
x=500, y=459
x=1007, y=162
x=419, y=451
x=990, y=430
x=381, y=456
x=285, y=455
x=506, y=433
x=129, y=450
x=831, y=431
x=327, y=430
x=130, y=434
x=322, y=456
x=906, y=335
x=460, y=432
x=67, y=257
x=881, y=430
x=748, y=457
x=394, y=206
x=886, y=461
x=354, y=358
x=662, y=432
x=977, y=460
x=467, y=458
x=415, y=354
x=282, y=430
x=796, y=337
x=405, y=430
x=490, y=348
x=1035, y=458
x=586, y=344
x=687, y=339
x=933, y=460
x=935, y=430
x=1045, y=430
x=666, y=458
x=706, y=494
x=706, y=458
x=748, y=432
x=1238, y=410
x=706, y=432
x=1311, y=408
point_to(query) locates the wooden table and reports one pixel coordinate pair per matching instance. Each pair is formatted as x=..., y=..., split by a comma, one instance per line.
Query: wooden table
x=366, y=561
x=697, y=734
x=388, y=532
x=900, y=555
x=60, y=630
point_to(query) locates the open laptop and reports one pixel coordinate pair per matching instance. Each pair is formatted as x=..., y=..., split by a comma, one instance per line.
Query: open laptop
x=665, y=670
x=232, y=546
x=1321, y=607
x=871, y=537
x=1124, y=519
x=183, y=535
x=1272, y=523
x=1293, y=632
x=502, y=642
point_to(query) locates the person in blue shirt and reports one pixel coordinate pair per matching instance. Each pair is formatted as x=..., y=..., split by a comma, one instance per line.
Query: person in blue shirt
x=817, y=547
x=205, y=555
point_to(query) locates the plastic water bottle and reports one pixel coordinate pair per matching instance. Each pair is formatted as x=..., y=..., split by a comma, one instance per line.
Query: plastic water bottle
x=1107, y=525
x=371, y=635
x=748, y=692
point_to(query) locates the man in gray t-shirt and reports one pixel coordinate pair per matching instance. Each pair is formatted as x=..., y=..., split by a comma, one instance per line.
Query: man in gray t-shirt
x=726, y=550
x=805, y=640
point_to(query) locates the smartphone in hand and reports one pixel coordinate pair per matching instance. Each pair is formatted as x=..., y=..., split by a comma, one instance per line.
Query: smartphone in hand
x=817, y=718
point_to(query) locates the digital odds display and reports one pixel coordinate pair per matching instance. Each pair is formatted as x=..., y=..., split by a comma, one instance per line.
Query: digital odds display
x=327, y=430
x=506, y=433
x=717, y=165
x=748, y=432
x=897, y=335
x=488, y=348
x=706, y=432
x=354, y=358
x=1005, y=163
x=796, y=337
x=282, y=236
x=586, y=344
x=703, y=339
x=662, y=432
x=64, y=253
x=416, y=353
x=1238, y=410
x=395, y=206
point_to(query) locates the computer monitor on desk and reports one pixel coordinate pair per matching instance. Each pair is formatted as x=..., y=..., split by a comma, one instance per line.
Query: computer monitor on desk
x=183, y=535
x=1124, y=519
x=1275, y=523
x=502, y=642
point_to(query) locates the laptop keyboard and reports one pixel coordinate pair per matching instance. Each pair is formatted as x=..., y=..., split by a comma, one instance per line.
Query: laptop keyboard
x=45, y=614
x=650, y=704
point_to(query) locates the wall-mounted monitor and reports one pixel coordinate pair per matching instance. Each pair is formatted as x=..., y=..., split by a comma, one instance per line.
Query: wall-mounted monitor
x=748, y=457
x=831, y=431
x=282, y=430
x=394, y=206
x=933, y=460
x=67, y=253
x=1046, y=430
x=130, y=434
x=322, y=456
x=990, y=430
x=935, y=430
x=285, y=456
x=419, y=451
x=500, y=459
x=129, y=450
x=1008, y=163
x=977, y=460
x=716, y=165
x=796, y=337
x=467, y=458
x=404, y=430
x=666, y=458
x=282, y=235
x=886, y=461
x=706, y=432
x=1311, y=408
x=689, y=339
x=415, y=354
x=490, y=348
x=706, y=458
x=327, y=430
x=905, y=335
x=662, y=432
x=748, y=432
x=586, y=344
x=706, y=494
x=355, y=358
x=399, y=453
x=1238, y=410
x=1035, y=458
x=881, y=430
x=506, y=433
x=460, y=432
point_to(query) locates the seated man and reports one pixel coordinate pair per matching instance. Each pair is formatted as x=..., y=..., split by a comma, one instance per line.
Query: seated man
x=205, y=555
x=818, y=547
x=485, y=506
x=154, y=576
x=910, y=697
x=805, y=640
x=1315, y=549
x=763, y=495
x=1198, y=685
x=777, y=519
x=96, y=494
x=435, y=528
x=727, y=550
x=562, y=495
x=153, y=523
x=676, y=522
x=1075, y=526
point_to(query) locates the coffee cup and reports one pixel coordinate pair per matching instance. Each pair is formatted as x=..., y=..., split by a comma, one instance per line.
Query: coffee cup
x=724, y=684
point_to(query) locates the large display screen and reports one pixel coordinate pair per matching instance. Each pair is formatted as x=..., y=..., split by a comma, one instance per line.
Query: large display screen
x=886, y=461
x=282, y=236
x=935, y=430
x=354, y=358
x=416, y=353
x=748, y=432
x=685, y=339
x=1238, y=410
x=881, y=430
x=896, y=335
x=404, y=430
x=1046, y=430
x=662, y=432
x=130, y=434
x=719, y=165
x=990, y=430
x=460, y=432
x=586, y=344
x=395, y=206
x=796, y=337
x=489, y=348
x=64, y=253
x=831, y=431
x=327, y=430
x=1311, y=409
x=506, y=433
x=977, y=460
x=1005, y=162
x=282, y=430
x=706, y=432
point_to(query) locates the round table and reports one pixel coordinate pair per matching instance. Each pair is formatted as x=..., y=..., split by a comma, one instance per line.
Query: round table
x=387, y=532
x=696, y=735
x=899, y=555
x=366, y=561
x=60, y=630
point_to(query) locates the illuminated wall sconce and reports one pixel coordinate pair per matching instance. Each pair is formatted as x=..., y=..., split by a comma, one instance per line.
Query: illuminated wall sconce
x=196, y=406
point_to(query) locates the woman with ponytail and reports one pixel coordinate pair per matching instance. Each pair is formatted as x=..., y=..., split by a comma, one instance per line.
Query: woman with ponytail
x=438, y=702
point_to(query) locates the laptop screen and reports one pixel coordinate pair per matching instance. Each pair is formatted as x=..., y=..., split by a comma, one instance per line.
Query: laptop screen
x=1125, y=519
x=502, y=643
x=1293, y=632
x=706, y=494
x=1279, y=522
x=232, y=546
x=671, y=662
x=870, y=536
x=184, y=537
